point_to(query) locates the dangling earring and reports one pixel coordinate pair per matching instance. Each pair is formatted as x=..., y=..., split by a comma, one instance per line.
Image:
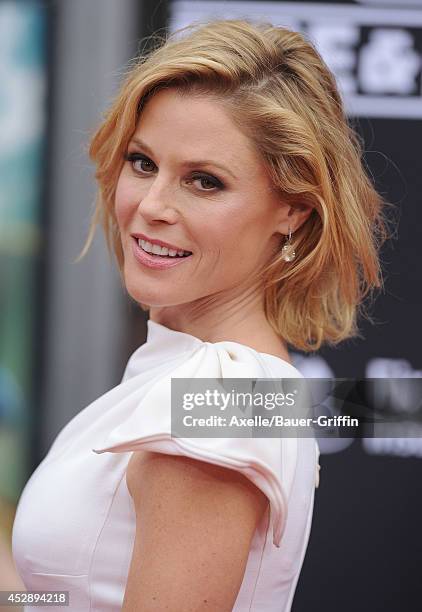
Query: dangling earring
x=288, y=252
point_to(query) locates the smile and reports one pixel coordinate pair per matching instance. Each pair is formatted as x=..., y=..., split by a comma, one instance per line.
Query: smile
x=157, y=260
x=155, y=249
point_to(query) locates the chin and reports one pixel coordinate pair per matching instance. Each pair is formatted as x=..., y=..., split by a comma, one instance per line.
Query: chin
x=158, y=293
x=151, y=299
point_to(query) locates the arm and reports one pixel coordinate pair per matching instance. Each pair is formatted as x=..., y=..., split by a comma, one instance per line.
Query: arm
x=194, y=526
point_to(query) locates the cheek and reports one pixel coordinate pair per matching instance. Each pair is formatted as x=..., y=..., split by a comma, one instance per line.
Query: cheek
x=243, y=228
x=230, y=230
x=125, y=201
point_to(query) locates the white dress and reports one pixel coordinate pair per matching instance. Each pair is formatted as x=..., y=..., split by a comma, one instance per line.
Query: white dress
x=75, y=523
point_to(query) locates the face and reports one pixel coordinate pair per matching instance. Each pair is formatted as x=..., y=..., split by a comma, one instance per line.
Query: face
x=193, y=180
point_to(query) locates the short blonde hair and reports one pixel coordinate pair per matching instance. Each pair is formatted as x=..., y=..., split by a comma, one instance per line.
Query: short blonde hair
x=280, y=93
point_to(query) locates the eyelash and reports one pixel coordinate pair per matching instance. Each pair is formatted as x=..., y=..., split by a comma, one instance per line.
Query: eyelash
x=133, y=157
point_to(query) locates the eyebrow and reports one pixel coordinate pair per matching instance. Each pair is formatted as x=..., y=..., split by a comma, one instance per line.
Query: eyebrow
x=187, y=164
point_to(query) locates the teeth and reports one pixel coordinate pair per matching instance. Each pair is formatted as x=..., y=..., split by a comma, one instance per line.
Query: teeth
x=155, y=249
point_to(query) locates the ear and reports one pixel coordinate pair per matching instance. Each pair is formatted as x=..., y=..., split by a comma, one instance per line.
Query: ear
x=294, y=217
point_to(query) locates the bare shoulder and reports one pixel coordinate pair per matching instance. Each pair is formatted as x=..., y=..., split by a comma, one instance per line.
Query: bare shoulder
x=146, y=465
x=194, y=526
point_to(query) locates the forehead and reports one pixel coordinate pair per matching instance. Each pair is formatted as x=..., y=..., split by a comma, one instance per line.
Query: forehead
x=195, y=126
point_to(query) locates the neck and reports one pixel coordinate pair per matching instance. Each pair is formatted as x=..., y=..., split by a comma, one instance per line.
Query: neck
x=242, y=321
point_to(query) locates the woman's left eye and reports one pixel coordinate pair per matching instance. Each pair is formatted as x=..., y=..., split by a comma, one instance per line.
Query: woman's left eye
x=204, y=178
x=211, y=181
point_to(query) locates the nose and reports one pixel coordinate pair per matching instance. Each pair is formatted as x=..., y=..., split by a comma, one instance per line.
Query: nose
x=158, y=202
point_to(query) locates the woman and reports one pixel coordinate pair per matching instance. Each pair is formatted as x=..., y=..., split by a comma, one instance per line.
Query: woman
x=232, y=191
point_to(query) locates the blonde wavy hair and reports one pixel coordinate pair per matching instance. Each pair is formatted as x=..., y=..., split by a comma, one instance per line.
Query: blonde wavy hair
x=279, y=92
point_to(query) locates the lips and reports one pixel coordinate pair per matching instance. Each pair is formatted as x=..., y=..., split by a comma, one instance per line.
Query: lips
x=172, y=254
x=155, y=262
x=159, y=242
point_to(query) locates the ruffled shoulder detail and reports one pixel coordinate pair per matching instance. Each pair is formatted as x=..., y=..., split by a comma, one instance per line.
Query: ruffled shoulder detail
x=141, y=420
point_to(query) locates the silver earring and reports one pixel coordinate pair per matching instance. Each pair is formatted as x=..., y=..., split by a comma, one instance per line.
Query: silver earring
x=288, y=252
